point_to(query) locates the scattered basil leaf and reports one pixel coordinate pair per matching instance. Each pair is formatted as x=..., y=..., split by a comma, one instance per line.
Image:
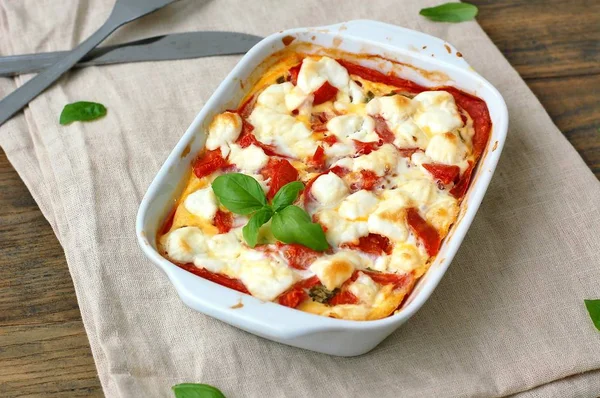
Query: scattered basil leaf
x=286, y=195
x=81, y=111
x=593, y=307
x=370, y=96
x=293, y=225
x=239, y=193
x=450, y=12
x=321, y=294
x=251, y=229
x=193, y=390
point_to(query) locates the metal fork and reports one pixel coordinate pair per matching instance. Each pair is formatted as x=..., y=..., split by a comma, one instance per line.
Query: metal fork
x=123, y=12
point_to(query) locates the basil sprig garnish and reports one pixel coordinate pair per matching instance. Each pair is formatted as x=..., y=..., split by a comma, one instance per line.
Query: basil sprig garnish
x=450, y=12
x=193, y=390
x=82, y=111
x=242, y=194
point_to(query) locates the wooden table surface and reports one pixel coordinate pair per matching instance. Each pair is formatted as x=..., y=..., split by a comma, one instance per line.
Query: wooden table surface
x=44, y=351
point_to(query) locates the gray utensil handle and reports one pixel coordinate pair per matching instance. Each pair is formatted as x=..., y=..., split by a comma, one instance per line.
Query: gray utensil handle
x=21, y=97
x=28, y=63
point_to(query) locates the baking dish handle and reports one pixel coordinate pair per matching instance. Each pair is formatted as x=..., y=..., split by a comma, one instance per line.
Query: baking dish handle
x=400, y=38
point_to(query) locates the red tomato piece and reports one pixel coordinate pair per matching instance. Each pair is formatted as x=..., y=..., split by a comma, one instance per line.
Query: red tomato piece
x=372, y=244
x=318, y=159
x=367, y=180
x=247, y=138
x=365, y=148
x=298, y=256
x=281, y=172
x=428, y=235
x=246, y=108
x=223, y=221
x=383, y=131
x=339, y=171
x=296, y=294
x=379, y=77
x=382, y=278
x=460, y=188
x=309, y=282
x=330, y=140
x=168, y=221
x=292, y=298
x=222, y=280
x=324, y=93
x=318, y=121
x=442, y=172
x=408, y=152
x=294, y=72
x=208, y=163
x=343, y=297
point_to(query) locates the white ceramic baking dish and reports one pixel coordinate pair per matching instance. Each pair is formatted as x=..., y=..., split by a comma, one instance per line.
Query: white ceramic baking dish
x=430, y=56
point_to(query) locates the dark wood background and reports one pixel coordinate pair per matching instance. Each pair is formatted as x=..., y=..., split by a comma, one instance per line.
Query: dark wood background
x=555, y=46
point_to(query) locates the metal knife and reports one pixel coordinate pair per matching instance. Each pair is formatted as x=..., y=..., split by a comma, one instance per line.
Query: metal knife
x=159, y=48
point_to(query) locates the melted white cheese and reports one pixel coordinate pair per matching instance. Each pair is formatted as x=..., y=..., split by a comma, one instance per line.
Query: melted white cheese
x=405, y=258
x=264, y=277
x=273, y=97
x=335, y=269
x=364, y=288
x=358, y=205
x=313, y=74
x=353, y=127
x=341, y=230
x=291, y=137
x=202, y=203
x=446, y=148
x=224, y=129
x=379, y=161
x=183, y=245
x=249, y=160
x=390, y=217
x=329, y=189
x=436, y=112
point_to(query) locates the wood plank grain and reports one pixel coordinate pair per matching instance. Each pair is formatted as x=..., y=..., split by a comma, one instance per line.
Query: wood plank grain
x=545, y=38
x=44, y=350
x=43, y=347
x=572, y=102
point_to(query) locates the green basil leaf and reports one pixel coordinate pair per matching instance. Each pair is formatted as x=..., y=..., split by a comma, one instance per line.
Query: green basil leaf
x=82, y=111
x=450, y=12
x=593, y=307
x=192, y=390
x=293, y=225
x=239, y=193
x=250, y=230
x=286, y=195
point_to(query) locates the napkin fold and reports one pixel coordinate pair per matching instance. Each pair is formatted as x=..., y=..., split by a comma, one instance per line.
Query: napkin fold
x=508, y=318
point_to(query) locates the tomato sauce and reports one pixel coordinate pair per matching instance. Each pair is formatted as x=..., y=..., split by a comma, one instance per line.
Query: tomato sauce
x=281, y=172
x=223, y=280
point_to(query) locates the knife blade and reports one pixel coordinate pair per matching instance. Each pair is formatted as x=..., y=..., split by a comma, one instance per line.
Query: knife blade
x=159, y=48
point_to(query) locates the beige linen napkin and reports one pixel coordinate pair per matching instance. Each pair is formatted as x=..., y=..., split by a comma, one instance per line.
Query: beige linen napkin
x=507, y=318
